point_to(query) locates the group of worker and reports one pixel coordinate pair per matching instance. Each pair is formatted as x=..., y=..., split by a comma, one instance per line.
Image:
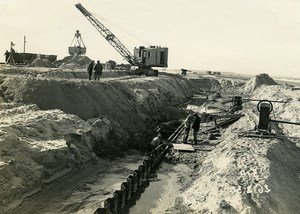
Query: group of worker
x=97, y=68
x=192, y=121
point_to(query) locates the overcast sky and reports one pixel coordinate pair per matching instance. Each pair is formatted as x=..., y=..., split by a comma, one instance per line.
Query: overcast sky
x=243, y=36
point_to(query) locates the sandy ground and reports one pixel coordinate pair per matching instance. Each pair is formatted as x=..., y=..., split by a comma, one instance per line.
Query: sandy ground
x=242, y=175
x=43, y=110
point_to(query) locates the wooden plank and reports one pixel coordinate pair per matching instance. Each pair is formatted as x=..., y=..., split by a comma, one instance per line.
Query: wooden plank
x=183, y=147
x=204, y=147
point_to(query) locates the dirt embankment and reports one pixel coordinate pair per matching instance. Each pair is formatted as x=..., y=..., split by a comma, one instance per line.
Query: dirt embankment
x=241, y=175
x=133, y=101
x=40, y=116
x=248, y=175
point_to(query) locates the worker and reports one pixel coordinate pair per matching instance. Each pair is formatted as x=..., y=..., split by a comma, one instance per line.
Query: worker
x=195, y=127
x=98, y=70
x=90, y=69
x=74, y=152
x=187, y=126
x=156, y=141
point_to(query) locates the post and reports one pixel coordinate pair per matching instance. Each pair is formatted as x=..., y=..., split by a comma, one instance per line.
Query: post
x=24, y=49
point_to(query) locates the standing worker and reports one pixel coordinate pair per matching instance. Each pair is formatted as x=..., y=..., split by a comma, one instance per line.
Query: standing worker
x=195, y=127
x=98, y=70
x=156, y=141
x=187, y=126
x=90, y=69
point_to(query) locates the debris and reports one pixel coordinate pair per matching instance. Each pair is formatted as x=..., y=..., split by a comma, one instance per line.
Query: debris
x=38, y=62
x=74, y=61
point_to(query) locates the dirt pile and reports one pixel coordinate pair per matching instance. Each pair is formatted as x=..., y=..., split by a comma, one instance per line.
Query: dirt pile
x=257, y=81
x=38, y=62
x=73, y=61
x=232, y=85
x=114, y=98
x=34, y=149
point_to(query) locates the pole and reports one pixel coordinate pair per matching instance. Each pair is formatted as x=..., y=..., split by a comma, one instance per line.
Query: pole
x=176, y=133
x=273, y=101
x=280, y=121
x=24, y=49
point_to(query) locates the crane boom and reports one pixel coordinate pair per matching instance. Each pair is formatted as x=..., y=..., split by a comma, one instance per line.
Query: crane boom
x=109, y=36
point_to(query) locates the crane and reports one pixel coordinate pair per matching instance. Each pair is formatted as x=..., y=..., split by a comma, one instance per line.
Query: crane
x=144, y=58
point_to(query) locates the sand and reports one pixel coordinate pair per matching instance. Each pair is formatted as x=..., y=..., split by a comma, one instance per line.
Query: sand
x=41, y=116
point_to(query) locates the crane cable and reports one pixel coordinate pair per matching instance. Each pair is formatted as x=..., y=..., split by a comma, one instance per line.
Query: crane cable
x=122, y=29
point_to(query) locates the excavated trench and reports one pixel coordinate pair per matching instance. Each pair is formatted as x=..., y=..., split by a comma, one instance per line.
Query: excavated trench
x=109, y=133
x=120, y=120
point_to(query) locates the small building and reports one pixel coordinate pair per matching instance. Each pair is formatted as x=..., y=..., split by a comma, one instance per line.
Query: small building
x=153, y=56
x=110, y=64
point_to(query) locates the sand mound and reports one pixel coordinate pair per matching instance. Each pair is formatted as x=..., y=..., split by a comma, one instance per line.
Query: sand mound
x=74, y=61
x=38, y=62
x=257, y=81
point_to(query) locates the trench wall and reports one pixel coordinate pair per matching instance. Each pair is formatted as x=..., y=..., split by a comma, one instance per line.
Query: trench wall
x=95, y=117
x=129, y=102
x=91, y=115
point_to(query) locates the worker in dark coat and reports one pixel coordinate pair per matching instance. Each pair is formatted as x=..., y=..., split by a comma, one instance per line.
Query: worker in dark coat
x=156, y=141
x=195, y=127
x=90, y=69
x=98, y=70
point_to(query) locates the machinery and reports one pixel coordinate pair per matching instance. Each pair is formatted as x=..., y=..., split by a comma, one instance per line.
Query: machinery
x=14, y=58
x=78, y=46
x=143, y=58
x=263, y=129
x=237, y=102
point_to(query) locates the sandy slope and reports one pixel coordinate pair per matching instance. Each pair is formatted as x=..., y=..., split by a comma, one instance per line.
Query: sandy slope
x=40, y=114
x=246, y=175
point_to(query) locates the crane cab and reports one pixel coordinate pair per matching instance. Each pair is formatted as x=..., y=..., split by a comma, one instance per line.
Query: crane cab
x=154, y=56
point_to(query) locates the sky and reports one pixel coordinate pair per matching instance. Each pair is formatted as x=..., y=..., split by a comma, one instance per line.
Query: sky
x=241, y=36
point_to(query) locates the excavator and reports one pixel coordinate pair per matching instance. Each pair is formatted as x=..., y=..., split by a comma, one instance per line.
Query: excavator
x=144, y=58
